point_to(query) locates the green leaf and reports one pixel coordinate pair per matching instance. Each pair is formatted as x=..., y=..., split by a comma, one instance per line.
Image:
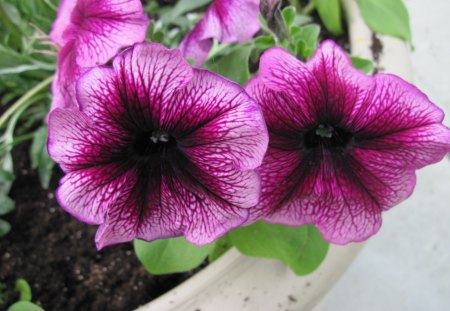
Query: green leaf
x=330, y=14
x=306, y=40
x=158, y=36
x=288, y=14
x=365, y=65
x=24, y=289
x=234, y=65
x=220, y=247
x=182, y=7
x=264, y=42
x=10, y=18
x=40, y=158
x=389, y=17
x=301, y=248
x=6, y=204
x=5, y=227
x=40, y=137
x=24, y=306
x=45, y=169
x=170, y=255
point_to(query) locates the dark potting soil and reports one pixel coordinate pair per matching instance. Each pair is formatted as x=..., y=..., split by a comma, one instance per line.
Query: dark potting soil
x=56, y=255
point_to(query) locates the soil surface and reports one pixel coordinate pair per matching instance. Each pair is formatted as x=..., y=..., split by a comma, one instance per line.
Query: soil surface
x=56, y=254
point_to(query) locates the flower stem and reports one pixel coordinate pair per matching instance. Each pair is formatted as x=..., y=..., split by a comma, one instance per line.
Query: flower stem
x=309, y=8
x=22, y=101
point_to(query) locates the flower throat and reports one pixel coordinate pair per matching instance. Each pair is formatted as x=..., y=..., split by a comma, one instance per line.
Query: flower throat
x=152, y=143
x=327, y=136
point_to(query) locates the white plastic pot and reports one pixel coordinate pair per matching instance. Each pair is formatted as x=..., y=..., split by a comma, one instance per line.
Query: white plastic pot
x=235, y=282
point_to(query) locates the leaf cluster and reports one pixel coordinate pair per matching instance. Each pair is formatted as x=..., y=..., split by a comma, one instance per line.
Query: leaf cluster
x=26, y=58
x=300, y=248
x=24, y=303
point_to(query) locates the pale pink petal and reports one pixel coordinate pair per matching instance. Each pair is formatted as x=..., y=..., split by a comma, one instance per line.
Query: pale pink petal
x=67, y=74
x=63, y=21
x=223, y=21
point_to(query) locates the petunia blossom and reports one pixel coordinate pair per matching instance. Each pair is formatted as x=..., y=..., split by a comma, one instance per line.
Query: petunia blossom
x=343, y=146
x=159, y=149
x=227, y=21
x=89, y=33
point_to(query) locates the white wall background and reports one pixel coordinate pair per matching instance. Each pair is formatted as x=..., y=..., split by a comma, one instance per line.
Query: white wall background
x=407, y=265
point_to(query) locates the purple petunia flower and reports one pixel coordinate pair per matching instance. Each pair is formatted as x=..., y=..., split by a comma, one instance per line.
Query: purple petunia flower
x=343, y=146
x=159, y=149
x=227, y=21
x=89, y=33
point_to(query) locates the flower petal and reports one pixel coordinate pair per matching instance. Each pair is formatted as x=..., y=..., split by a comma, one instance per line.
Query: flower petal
x=88, y=194
x=75, y=145
x=194, y=47
x=369, y=187
x=91, y=33
x=381, y=130
x=400, y=122
x=187, y=201
x=223, y=21
x=284, y=116
x=344, y=199
x=291, y=84
x=344, y=88
x=216, y=121
x=63, y=21
x=147, y=75
x=67, y=74
x=102, y=102
x=100, y=28
x=209, y=205
x=139, y=195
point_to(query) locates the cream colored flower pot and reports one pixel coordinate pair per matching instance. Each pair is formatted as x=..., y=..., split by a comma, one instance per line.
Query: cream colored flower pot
x=235, y=282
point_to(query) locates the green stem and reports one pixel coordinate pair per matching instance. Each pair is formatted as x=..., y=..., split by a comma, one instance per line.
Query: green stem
x=17, y=140
x=23, y=101
x=309, y=8
x=22, y=138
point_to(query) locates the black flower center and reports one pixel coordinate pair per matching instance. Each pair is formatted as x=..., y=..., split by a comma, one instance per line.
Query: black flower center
x=326, y=135
x=152, y=143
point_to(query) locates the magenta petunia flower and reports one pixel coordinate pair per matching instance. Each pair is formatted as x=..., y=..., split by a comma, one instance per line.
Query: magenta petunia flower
x=159, y=149
x=343, y=147
x=89, y=33
x=227, y=21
